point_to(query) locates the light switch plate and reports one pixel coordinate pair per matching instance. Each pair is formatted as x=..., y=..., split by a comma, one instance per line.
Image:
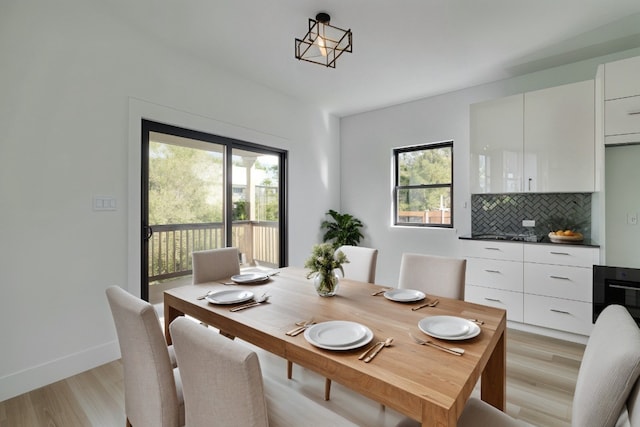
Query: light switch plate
x=104, y=203
x=528, y=222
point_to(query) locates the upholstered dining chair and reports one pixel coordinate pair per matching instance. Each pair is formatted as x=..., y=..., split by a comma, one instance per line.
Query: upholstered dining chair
x=434, y=275
x=152, y=386
x=214, y=264
x=221, y=378
x=607, y=390
x=362, y=263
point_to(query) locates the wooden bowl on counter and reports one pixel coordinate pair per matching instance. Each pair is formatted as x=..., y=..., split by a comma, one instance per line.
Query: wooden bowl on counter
x=556, y=238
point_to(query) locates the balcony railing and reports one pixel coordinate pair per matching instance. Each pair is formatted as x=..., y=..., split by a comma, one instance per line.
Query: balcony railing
x=425, y=217
x=171, y=245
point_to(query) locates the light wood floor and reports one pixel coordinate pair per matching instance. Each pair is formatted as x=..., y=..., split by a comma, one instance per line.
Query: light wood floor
x=541, y=376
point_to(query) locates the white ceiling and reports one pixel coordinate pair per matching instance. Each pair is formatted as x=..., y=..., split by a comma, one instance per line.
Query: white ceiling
x=402, y=49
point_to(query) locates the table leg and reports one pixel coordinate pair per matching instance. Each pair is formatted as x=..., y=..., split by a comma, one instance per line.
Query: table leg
x=170, y=313
x=494, y=378
x=289, y=370
x=434, y=416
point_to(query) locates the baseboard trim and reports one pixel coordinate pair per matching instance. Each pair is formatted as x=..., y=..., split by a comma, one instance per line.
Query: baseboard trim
x=44, y=374
x=553, y=333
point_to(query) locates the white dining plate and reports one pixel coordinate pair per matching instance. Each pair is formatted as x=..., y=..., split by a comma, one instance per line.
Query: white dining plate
x=404, y=295
x=338, y=335
x=250, y=278
x=449, y=327
x=229, y=296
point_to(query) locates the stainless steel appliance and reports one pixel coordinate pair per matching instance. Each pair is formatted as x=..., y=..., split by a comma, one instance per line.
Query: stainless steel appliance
x=616, y=285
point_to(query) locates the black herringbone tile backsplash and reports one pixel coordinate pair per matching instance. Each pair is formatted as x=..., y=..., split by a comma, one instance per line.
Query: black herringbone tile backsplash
x=503, y=213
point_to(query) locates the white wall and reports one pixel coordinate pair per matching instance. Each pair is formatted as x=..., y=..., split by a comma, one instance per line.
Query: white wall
x=367, y=141
x=74, y=82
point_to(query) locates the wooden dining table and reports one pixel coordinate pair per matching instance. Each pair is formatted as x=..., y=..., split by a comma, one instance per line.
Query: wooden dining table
x=422, y=382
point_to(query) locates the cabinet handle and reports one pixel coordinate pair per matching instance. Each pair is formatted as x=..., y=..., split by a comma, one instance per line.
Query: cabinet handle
x=492, y=249
x=530, y=179
x=629, y=288
x=634, y=113
x=559, y=277
x=492, y=271
x=559, y=253
x=492, y=299
x=559, y=311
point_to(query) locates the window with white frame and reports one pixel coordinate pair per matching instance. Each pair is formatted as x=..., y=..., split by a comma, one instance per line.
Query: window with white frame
x=423, y=187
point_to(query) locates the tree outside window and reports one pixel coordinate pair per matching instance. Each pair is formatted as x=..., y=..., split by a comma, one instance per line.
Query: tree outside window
x=424, y=185
x=185, y=186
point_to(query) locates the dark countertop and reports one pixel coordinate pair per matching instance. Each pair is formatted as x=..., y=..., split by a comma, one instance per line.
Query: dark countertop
x=520, y=239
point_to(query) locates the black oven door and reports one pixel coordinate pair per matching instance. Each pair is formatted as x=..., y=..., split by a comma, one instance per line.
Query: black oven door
x=624, y=293
x=616, y=285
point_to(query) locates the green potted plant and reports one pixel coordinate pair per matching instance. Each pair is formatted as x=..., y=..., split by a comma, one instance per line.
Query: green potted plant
x=342, y=229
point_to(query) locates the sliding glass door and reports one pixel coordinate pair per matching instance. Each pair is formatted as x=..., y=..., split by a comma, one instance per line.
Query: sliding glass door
x=256, y=207
x=202, y=191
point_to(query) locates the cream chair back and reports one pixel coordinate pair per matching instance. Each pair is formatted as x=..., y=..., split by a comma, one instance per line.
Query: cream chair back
x=434, y=275
x=222, y=379
x=609, y=370
x=152, y=389
x=632, y=409
x=214, y=264
x=362, y=263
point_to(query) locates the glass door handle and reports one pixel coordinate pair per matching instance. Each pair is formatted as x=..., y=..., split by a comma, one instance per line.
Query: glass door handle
x=148, y=232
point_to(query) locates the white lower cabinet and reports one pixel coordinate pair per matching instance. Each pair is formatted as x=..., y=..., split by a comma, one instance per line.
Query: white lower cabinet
x=507, y=300
x=558, y=281
x=558, y=287
x=542, y=285
x=557, y=254
x=555, y=313
x=490, y=249
x=494, y=275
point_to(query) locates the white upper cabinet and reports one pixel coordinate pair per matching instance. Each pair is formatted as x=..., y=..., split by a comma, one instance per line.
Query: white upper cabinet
x=622, y=78
x=622, y=101
x=496, y=145
x=559, y=138
x=541, y=141
x=622, y=118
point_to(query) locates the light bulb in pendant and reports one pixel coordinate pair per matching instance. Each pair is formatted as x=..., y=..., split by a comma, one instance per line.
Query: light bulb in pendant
x=321, y=45
x=322, y=19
